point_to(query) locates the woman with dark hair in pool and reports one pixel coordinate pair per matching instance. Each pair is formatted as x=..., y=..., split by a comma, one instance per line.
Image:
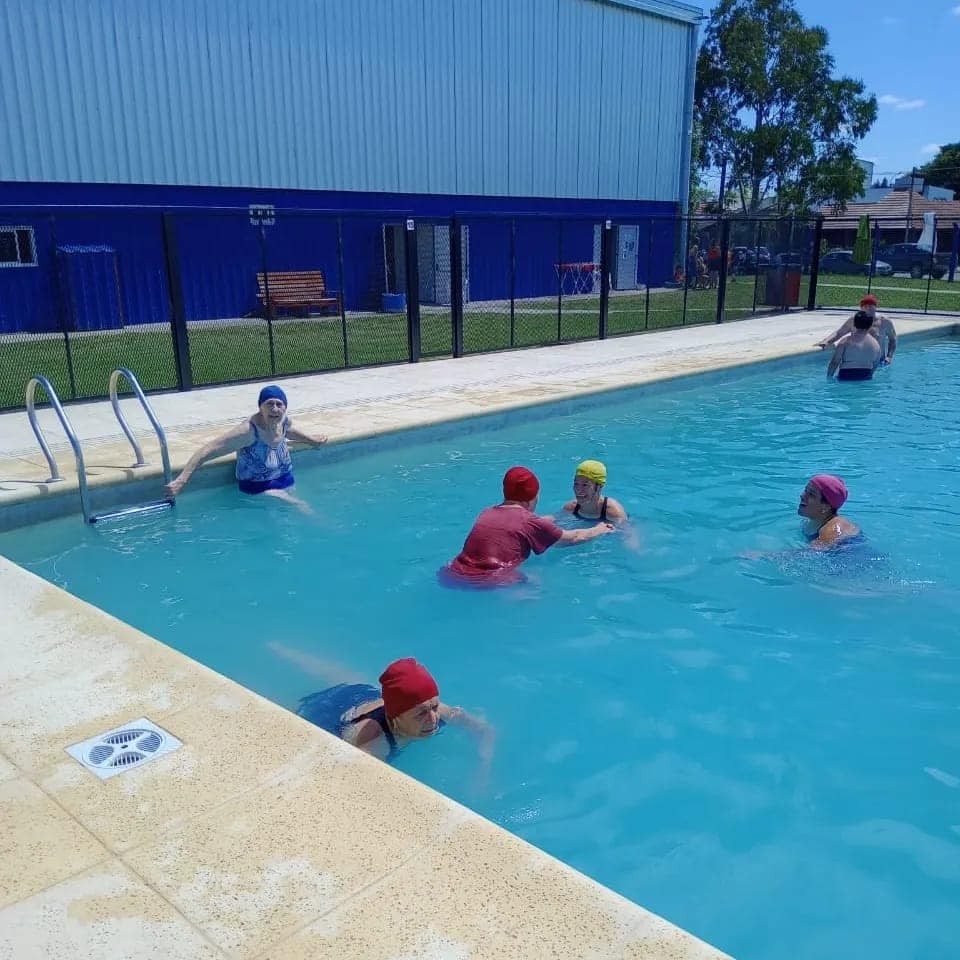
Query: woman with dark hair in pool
x=381, y=722
x=263, y=457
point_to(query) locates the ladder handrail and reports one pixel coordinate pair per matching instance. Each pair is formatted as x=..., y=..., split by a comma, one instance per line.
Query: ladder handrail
x=32, y=385
x=151, y=416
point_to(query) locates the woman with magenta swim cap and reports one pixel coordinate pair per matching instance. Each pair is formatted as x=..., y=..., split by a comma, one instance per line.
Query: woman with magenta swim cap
x=381, y=722
x=820, y=503
x=260, y=442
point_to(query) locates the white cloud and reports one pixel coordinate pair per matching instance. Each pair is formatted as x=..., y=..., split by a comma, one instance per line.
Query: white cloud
x=929, y=149
x=956, y=11
x=900, y=103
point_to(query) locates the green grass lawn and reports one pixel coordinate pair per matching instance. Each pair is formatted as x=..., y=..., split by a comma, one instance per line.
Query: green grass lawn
x=223, y=352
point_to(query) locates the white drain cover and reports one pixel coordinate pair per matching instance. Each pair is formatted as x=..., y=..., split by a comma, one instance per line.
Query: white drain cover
x=123, y=748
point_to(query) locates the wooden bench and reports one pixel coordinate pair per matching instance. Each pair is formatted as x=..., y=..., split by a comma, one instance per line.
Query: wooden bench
x=296, y=290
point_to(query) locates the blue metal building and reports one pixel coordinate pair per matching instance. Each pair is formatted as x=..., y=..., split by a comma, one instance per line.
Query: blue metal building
x=420, y=108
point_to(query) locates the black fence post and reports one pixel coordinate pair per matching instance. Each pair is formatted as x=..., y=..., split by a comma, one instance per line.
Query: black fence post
x=178, y=314
x=343, y=293
x=413, y=292
x=756, y=267
x=267, y=305
x=722, y=279
x=513, y=281
x=685, y=250
x=646, y=303
x=815, y=265
x=559, y=281
x=61, y=308
x=456, y=286
x=605, y=244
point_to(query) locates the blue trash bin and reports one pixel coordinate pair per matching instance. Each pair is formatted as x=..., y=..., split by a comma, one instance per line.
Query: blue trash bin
x=394, y=302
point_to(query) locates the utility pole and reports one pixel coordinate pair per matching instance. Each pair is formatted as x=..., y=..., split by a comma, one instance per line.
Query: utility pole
x=906, y=229
x=723, y=189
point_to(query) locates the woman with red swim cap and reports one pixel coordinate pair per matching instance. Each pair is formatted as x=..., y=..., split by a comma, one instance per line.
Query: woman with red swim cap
x=381, y=722
x=503, y=536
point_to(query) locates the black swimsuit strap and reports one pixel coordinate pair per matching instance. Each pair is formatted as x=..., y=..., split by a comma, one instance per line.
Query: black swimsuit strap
x=379, y=714
x=603, y=511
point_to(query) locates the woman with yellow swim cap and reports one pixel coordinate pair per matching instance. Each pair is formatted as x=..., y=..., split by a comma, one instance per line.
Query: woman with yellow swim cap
x=587, y=504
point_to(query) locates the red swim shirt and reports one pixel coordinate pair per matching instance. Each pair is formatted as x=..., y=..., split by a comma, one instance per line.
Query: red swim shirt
x=501, y=539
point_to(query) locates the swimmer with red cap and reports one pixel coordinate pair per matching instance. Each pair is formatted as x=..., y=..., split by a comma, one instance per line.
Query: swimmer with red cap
x=881, y=329
x=260, y=442
x=820, y=504
x=407, y=707
x=503, y=536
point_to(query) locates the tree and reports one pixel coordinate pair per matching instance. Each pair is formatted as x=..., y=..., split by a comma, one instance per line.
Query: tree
x=697, y=192
x=767, y=101
x=944, y=169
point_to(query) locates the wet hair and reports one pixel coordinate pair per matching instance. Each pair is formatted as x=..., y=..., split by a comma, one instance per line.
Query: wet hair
x=862, y=320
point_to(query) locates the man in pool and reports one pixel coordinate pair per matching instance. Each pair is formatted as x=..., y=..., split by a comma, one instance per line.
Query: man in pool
x=588, y=481
x=503, y=536
x=858, y=353
x=263, y=458
x=820, y=502
x=881, y=329
x=381, y=722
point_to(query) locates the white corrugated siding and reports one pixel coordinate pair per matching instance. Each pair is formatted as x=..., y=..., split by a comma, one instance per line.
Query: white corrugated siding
x=568, y=98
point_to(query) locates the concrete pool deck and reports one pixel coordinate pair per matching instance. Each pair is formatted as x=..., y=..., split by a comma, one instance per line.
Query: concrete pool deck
x=263, y=836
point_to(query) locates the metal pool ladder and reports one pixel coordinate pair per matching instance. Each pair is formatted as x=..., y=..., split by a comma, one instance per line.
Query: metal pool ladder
x=55, y=475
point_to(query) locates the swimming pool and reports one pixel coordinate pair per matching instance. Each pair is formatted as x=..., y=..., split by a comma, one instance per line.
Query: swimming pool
x=761, y=751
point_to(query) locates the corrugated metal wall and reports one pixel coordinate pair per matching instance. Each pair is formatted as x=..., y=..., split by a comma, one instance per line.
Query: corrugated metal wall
x=563, y=98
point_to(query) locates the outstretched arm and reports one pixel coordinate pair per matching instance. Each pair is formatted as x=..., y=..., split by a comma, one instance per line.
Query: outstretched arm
x=891, y=342
x=299, y=436
x=841, y=331
x=229, y=442
x=571, y=537
x=476, y=725
x=835, y=360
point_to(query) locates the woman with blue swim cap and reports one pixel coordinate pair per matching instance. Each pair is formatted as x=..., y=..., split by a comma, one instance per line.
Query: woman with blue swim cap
x=263, y=457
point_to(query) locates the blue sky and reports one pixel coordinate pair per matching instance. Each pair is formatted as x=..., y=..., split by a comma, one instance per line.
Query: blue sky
x=907, y=52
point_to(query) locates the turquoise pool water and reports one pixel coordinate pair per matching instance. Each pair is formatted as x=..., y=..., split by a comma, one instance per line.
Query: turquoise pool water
x=767, y=752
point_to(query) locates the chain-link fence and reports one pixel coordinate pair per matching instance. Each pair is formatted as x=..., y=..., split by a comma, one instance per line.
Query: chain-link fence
x=907, y=262
x=187, y=297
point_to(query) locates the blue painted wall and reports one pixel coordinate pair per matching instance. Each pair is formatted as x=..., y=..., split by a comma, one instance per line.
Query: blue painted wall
x=220, y=252
x=522, y=98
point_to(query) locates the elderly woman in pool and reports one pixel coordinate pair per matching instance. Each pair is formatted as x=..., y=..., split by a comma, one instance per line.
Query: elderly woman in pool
x=263, y=458
x=381, y=722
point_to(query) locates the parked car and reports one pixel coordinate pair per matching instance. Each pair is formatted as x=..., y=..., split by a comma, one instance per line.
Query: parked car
x=909, y=258
x=841, y=261
x=746, y=259
x=793, y=260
